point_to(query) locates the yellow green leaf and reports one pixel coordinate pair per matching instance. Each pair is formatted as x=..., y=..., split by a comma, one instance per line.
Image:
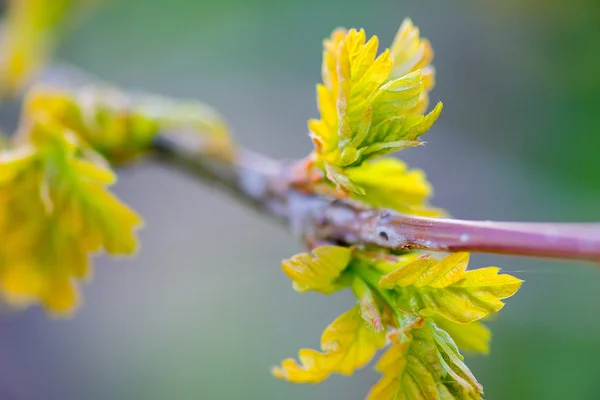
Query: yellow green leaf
x=474, y=337
x=460, y=381
x=55, y=213
x=412, y=53
x=351, y=74
x=386, y=263
x=28, y=38
x=397, y=97
x=369, y=307
x=347, y=344
x=321, y=272
x=411, y=369
x=416, y=367
x=446, y=288
x=14, y=162
x=399, y=132
x=121, y=126
x=78, y=197
x=341, y=180
x=366, y=110
x=388, y=183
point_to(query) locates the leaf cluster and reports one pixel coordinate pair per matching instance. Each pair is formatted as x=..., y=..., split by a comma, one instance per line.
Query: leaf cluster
x=370, y=105
x=422, y=308
x=56, y=207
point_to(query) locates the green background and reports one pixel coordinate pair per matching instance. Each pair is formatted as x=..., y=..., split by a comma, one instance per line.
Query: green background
x=204, y=310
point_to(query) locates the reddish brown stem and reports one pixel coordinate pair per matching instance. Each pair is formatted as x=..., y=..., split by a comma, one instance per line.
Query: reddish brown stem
x=265, y=184
x=382, y=228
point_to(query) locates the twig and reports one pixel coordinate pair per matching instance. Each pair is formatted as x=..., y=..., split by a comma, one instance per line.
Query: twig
x=265, y=185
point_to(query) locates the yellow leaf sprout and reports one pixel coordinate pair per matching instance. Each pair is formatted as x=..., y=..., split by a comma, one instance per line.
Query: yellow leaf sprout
x=370, y=105
x=411, y=53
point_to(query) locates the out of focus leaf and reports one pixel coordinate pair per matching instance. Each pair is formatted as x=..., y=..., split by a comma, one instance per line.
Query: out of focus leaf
x=55, y=213
x=28, y=37
x=121, y=126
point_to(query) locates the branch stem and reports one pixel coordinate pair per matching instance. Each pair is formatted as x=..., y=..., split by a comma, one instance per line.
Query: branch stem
x=264, y=184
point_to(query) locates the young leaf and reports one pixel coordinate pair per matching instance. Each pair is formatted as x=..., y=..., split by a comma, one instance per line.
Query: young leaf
x=55, y=211
x=411, y=53
x=347, y=344
x=446, y=288
x=28, y=38
x=369, y=307
x=366, y=110
x=461, y=382
x=416, y=367
x=388, y=183
x=55, y=206
x=121, y=126
x=473, y=337
x=320, y=273
x=410, y=368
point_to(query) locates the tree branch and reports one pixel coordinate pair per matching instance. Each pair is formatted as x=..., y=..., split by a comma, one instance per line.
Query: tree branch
x=265, y=185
